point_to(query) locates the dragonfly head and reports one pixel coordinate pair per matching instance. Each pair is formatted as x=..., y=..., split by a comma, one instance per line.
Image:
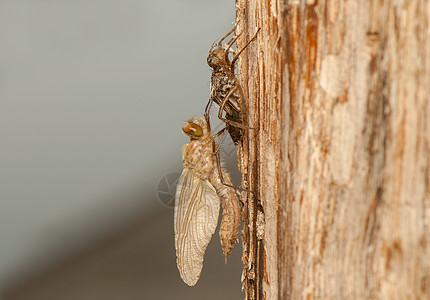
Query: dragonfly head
x=196, y=128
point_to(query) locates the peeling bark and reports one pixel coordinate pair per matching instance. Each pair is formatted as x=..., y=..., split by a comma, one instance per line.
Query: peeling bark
x=340, y=164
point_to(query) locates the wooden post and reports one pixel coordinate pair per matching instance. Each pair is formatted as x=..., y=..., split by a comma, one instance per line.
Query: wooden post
x=340, y=163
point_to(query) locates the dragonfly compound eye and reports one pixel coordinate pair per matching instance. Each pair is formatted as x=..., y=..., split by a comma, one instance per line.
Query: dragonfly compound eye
x=193, y=130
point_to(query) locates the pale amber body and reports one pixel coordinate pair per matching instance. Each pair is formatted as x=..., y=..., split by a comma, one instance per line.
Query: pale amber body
x=198, y=194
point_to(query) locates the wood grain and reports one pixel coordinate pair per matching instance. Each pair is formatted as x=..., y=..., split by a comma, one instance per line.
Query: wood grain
x=340, y=163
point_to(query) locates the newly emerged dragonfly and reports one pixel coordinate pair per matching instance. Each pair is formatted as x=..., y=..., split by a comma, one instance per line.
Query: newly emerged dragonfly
x=201, y=187
x=225, y=88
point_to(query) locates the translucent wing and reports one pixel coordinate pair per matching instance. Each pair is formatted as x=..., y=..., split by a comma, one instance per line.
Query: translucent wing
x=196, y=217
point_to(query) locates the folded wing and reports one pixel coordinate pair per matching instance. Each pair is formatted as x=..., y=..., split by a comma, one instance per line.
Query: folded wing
x=196, y=217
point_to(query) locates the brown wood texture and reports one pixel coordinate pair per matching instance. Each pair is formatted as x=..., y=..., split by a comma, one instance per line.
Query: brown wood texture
x=340, y=164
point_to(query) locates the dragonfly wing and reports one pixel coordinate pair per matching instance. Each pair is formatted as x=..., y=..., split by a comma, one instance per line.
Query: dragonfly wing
x=196, y=217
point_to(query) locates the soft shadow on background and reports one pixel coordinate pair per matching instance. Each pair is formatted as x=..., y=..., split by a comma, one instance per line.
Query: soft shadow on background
x=92, y=98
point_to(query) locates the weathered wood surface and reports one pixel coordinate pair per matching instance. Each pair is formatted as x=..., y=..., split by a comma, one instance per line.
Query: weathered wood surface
x=340, y=163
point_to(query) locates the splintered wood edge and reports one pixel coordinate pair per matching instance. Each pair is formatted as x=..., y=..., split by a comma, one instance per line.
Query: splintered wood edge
x=261, y=70
x=250, y=279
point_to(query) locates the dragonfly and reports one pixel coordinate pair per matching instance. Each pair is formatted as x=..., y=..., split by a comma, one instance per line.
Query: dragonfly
x=201, y=187
x=225, y=87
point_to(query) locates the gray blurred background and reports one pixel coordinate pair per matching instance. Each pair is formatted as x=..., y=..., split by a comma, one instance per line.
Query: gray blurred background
x=93, y=95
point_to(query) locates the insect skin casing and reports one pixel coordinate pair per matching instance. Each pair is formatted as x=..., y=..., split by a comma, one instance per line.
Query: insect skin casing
x=223, y=81
x=224, y=84
x=225, y=87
